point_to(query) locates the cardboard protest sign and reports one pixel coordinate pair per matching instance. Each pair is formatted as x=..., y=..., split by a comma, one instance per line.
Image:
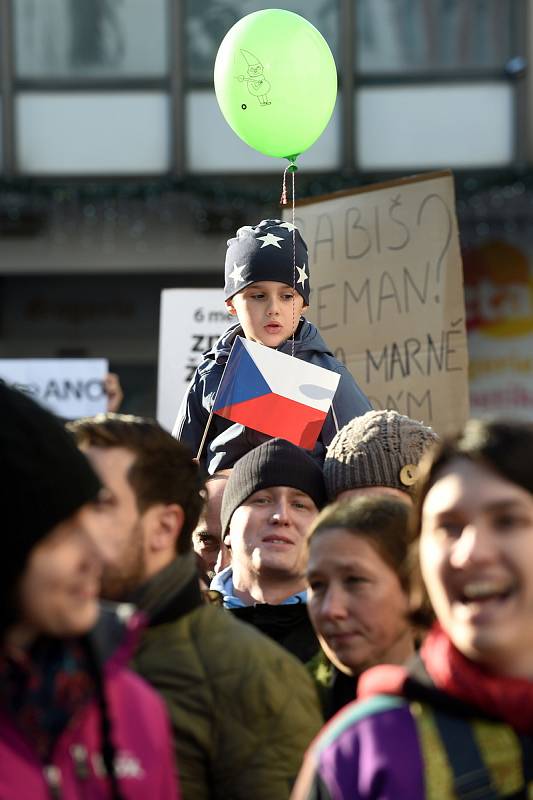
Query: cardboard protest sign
x=387, y=293
x=69, y=387
x=190, y=322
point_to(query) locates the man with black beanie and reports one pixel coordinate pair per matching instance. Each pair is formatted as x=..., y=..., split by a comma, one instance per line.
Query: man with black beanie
x=271, y=498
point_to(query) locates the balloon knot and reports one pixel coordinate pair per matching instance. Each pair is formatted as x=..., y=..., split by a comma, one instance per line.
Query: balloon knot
x=292, y=166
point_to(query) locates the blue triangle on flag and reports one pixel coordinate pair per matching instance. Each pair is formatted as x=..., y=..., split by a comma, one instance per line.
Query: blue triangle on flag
x=242, y=380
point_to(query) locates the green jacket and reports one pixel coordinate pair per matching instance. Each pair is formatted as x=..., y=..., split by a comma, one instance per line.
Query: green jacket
x=334, y=688
x=242, y=709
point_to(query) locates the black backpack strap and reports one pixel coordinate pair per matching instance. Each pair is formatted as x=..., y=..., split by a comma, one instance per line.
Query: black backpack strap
x=526, y=744
x=318, y=790
x=472, y=780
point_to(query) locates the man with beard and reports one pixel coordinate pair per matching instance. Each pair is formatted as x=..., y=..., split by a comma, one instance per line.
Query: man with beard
x=243, y=710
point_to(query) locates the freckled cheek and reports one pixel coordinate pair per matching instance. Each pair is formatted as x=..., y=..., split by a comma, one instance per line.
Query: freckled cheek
x=321, y=614
x=365, y=613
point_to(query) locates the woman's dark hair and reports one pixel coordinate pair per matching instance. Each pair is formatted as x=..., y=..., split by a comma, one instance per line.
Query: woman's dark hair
x=382, y=521
x=504, y=447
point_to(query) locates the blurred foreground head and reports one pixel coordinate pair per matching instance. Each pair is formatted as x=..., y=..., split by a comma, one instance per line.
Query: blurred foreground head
x=47, y=489
x=475, y=523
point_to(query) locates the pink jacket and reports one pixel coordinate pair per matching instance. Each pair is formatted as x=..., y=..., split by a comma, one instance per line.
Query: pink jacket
x=141, y=735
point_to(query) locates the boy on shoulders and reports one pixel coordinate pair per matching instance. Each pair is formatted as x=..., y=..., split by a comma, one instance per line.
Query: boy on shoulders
x=267, y=290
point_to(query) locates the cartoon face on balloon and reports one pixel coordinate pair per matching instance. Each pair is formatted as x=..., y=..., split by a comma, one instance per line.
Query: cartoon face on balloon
x=257, y=84
x=282, y=60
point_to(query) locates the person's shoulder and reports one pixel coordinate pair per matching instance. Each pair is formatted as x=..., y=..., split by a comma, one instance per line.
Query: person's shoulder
x=214, y=360
x=358, y=711
x=312, y=347
x=368, y=741
x=213, y=642
x=116, y=633
x=325, y=358
x=244, y=647
x=381, y=719
x=337, y=366
x=206, y=366
x=307, y=331
x=128, y=689
x=206, y=376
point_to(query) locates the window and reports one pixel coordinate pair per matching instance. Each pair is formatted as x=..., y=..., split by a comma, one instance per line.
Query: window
x=416, y=36
x=431, y=81
x=91, y=133
x=91, y=87
x=75, y=40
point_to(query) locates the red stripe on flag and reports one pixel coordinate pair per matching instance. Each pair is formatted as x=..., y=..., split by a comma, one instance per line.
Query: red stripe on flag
x=278, y=416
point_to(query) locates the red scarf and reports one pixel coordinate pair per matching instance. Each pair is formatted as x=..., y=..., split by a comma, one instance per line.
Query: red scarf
x=508, y=699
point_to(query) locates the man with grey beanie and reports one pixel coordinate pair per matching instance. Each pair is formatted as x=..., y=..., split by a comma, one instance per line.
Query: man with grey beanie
x=377, y=453
x=272, y=496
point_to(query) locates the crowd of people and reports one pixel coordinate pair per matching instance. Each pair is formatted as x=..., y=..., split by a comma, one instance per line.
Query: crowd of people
x=264, y=621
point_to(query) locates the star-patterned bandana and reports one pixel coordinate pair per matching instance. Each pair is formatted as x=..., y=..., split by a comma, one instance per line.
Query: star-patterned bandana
x=264, y=252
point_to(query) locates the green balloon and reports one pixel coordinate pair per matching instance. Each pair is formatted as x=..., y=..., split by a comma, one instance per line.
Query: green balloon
x=276, y=82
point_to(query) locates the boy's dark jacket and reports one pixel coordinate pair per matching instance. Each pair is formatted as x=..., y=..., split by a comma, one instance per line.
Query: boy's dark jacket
x=228, y=441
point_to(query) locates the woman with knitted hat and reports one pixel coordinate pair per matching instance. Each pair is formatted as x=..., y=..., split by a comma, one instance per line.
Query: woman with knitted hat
x=377, y=453
x=74, y=722
x=458, y=722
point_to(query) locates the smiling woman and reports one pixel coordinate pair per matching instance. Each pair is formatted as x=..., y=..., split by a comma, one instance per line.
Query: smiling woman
x=476, y=553
x=59, y=588
x=459, y=721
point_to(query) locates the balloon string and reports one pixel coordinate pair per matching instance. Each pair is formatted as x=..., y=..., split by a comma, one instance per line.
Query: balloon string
x=293, y=260
x=283, y=202
x=283, y=198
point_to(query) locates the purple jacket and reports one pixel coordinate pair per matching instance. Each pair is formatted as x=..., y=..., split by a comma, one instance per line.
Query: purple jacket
x=369, y=751
x=141, y=735
x=426, y=743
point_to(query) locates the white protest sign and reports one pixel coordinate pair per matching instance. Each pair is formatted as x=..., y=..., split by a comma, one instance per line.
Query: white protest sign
x=190, y=322
x=387, y=293
x=69, y=387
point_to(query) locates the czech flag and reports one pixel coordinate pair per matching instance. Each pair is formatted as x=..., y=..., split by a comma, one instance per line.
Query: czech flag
x=275, y=393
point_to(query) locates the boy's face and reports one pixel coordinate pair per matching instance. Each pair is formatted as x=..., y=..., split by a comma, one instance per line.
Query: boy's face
x=268, y=311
